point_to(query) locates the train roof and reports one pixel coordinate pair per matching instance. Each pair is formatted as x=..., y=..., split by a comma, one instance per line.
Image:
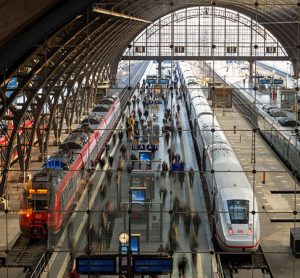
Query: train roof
x=93, y=118
x=76, y=140
x=288, y=122
x=224, y=159
x=101, y=108
x=237, y=192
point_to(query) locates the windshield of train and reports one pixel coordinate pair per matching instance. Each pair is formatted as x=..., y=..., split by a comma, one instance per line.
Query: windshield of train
x=238, y=211
x=39, y=202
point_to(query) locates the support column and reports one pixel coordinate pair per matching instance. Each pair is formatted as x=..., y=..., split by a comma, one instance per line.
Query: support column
x=251, y=72
x=159, y=68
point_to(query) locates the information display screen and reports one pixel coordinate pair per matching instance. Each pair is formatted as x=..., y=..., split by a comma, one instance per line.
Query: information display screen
x=138, y=195
x=135, y=245
x=96, y=265
x=145, y=155
x=152, y=265
x=145, y=160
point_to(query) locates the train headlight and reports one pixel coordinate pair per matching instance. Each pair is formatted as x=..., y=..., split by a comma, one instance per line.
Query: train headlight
x=230, y=230
x=250, y=230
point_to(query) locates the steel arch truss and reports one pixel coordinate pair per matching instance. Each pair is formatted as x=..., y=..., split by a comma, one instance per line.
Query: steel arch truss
x=57, y=85
x=203, y=32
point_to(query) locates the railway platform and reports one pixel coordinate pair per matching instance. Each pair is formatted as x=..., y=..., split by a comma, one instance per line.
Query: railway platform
x=9, y=222
x=273, y=184
x=271, y=181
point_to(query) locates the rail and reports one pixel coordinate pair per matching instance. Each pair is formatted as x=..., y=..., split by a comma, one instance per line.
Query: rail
x=40, y=266
x=219, y=266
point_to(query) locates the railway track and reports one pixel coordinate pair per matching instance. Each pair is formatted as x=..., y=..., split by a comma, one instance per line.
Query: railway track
x=255, y=263
x=26, y=253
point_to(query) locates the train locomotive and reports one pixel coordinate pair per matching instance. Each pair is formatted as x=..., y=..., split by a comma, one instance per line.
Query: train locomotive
x=49, y=199
x=236, y=224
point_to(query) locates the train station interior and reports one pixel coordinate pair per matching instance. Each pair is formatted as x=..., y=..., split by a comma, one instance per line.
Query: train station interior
x=149, y=138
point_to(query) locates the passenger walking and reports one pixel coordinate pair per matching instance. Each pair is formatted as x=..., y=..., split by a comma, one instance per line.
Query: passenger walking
x=194, y=245
x=173, y=238
x=187, y=220
x=163, y=192
x=181, y=172
x=167, y=137
x=134, y=101
x=165, y=168
x=120, y=135
x=123, y=151
x=106, y=148
x=140, y=113
x=109, y=175
x=146, y=113
x=191, y=176
x=196, y=222
x=176, y=209
x=182, y=265
x=110, y=160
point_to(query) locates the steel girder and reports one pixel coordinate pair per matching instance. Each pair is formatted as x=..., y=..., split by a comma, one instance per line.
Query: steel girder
x=56, y=96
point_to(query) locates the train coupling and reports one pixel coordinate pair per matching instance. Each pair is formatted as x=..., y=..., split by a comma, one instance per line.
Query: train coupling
x=37, y=231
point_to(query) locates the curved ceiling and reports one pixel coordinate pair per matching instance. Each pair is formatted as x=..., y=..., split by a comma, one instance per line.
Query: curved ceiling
x=29, y=22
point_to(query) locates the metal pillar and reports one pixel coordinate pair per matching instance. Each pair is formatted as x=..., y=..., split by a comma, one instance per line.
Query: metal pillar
x=159, y=62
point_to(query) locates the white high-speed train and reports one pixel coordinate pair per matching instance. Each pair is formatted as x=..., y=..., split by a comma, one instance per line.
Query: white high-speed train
x=236, y=221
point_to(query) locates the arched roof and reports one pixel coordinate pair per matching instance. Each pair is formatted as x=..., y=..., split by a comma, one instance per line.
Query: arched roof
x=28, y=22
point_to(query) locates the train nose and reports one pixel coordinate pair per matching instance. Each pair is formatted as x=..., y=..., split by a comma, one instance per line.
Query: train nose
x=37, y=231
x=241, y=243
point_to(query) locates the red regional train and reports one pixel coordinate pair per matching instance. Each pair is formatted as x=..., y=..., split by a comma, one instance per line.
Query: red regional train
x=4, y=139
x=48, y=200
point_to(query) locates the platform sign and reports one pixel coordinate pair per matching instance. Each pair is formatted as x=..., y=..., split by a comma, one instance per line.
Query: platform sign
x=179, y=49
x=164, y=81
x=231, y=49
x=264, y=81
x=277, y=81
x=140, y=49
x=96, y=265
x=53, y=163
x=271, y=49
x=156, y=101
x=152, y=265
x=144, y=147
x=135, y=244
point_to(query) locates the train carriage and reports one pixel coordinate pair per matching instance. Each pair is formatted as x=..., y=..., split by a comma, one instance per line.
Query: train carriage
x=282, y=133
x=48, y=201
x=236, y=228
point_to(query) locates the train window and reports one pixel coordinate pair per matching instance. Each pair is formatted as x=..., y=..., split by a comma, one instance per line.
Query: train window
x=91, y=121
x=276, y=112
x=288, y=122
x=238, y=211
x=101, y=108
x=40, y=204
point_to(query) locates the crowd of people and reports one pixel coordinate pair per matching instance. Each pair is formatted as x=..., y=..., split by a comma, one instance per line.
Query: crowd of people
x=140, y=107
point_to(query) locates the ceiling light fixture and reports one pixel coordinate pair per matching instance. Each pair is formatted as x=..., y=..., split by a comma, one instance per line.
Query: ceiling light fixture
x=103, y=11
